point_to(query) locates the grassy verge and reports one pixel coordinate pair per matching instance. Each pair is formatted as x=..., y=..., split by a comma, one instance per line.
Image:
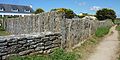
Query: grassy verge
x=118, y=29
x=3, y=32
x=88, y=47
x=58, y=54
x=80, y=53
x=102, y=31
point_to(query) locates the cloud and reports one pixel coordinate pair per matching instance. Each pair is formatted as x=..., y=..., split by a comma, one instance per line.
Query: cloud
x=95, y=8
x=82, y=3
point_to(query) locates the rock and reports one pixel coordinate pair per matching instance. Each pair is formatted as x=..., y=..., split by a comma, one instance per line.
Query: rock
x=3, y=44
x=26, y=52
x=2, y=54
x=35, y=53
x=2, y=40
x=22, y=42
x=48, y=43
x=25, y=44
x=40, y=48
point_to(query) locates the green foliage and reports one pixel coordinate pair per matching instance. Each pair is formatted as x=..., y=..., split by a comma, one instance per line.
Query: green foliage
x=58, y=54
x=2, y=29
x=106, y=13
x=4, y=33
x=39, y=10
x=117, y=21
x=87, y=47
x=68, y=12
x=102, y=31
x=118, y=28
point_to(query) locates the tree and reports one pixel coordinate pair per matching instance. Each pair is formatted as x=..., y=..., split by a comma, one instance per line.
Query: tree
x=39, y=10
x=106, y=13
x=68, y=12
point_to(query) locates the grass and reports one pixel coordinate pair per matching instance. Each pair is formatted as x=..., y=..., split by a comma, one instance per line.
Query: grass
x=118, y=29
x=3, y=32
x=58, y=54
x=87, y=48
x=117, y=21
x=80, y=53
x=102, y=31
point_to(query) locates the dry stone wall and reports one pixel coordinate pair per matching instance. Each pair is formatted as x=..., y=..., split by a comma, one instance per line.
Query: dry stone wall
x=73, y=30
x=24, y=44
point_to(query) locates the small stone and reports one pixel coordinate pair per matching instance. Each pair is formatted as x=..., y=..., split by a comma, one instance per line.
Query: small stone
x=2, y=54
x=3, y=44
x=26, y=52
x=22, y=42
x=39, y=48
x=2, y=40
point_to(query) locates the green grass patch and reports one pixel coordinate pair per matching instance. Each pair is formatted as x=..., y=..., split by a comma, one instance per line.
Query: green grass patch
x=4, y=33
x=118, y=28
x=100, y=32
x=87, y=48
x=117, y=21
x=58, y=54
x=118, y=53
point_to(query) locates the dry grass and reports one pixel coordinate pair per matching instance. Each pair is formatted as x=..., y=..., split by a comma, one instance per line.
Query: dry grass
x=87, y=48
x=4, y=33
x=118, y=53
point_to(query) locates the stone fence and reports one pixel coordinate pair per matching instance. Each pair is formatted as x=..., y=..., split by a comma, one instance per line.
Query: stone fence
x=24, y=44
x=73, y=31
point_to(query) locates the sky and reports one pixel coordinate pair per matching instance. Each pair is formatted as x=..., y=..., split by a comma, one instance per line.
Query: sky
x=78, y=6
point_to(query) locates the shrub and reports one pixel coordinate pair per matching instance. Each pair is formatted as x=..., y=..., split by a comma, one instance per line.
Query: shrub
x=39, y=10
x=106, y=13
x=68, y=12
x=100, y=32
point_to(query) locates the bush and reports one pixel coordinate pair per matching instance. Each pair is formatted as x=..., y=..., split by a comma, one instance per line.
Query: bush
x=68, y=12
x=39, y=10
x=106, y=13
x=58, y=54
x=102, y=31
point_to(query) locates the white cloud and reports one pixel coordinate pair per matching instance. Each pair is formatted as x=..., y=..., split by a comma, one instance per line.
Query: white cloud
x=82, y=3
x=95, y=8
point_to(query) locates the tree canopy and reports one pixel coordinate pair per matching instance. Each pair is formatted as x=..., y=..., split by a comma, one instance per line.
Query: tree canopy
x=106, y=13
x=39, y=10
x=68, y=12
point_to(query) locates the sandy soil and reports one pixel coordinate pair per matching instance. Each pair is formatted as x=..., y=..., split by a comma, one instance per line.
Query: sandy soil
x=107, y=48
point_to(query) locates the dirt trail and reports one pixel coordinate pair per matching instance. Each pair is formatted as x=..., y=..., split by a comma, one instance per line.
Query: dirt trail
x=107, y=48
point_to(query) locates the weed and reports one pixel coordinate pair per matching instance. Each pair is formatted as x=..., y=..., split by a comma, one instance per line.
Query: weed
x=58, y=54
x=102, y=31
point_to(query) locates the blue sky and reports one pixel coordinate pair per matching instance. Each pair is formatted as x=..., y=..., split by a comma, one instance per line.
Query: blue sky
x=85, y=6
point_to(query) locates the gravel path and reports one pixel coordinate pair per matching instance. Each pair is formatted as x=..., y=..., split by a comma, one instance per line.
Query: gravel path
x=107, y=48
